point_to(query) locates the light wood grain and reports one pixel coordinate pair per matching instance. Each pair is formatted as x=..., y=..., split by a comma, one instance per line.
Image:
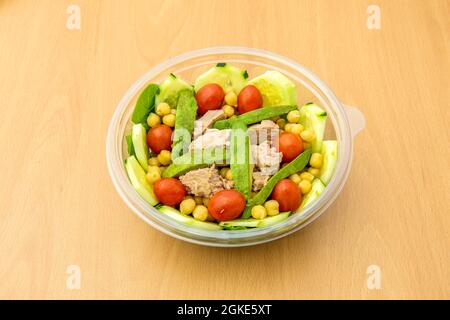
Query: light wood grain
x=59, y=89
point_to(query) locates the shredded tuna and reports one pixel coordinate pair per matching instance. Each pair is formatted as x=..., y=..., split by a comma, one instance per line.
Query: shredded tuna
x=204, y=182
x=267, y=130
x=206, y=121
x=212, y=138
x=259, y=180
x=266, y=158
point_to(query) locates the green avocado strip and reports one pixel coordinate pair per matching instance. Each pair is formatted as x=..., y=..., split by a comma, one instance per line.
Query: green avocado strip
x=184, y=123
x=240, y=158
x=145, y=104
x=196, y=159
x=255, y=116
x=292, y=167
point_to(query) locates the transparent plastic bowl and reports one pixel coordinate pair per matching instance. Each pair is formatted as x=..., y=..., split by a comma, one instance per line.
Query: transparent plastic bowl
x=343, y=124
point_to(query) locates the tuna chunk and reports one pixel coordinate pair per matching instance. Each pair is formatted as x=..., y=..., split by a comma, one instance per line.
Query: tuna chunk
x=206, y=121
x=266, y=158
x=211, y=139
x=259, y=180
x=267, y=130
x=204, y=182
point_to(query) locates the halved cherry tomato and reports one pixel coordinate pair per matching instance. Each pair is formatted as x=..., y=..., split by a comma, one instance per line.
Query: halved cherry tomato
x=160, y=138
x=209, y=97
x=249, y=99
x=169, y=191
x=290, y=145
x=226, y=205
x=287, y=193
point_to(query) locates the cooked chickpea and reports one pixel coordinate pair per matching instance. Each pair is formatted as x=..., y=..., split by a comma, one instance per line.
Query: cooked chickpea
x=306, y=176
x=162, y=109
x=198, y=200
x=173, y=111
x=316, y=160
x=272, y=207
x=165, y=157
x=305, y=186
x=205, y=201
x=231, y=98
x=288, y=127
x=296, y=128
x=187, y=206
x=153, y=161
x=153, y=120
x=229, y=175
x=200, y=213
x=259, y=212
x=228, y=110
x=314, y=171
x=281, y=123
x=223, y=171
x=307, y=135
x=275, y=119
x=293, y=116
x=295, y=178
x=169, y=120
x=307, y=145
x=153, y=174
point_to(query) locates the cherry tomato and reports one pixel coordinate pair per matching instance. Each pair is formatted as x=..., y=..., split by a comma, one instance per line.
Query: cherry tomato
x=209, y=97
x=226, y=205
x=169, y=191
x=159, y=138
x=288, y=195
x=249, y=99
x=290, y=145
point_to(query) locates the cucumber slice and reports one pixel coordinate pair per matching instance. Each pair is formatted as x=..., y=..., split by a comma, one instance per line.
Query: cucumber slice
x=170, y=89
x=139, y=181
x=314, y=118
x=138, y=136
x=249, y=223
x=229, y=77
x=276, y=89
x=129, y=140
x=329, y=152
x=275, y=219
x=184, y=219
x=316, y=190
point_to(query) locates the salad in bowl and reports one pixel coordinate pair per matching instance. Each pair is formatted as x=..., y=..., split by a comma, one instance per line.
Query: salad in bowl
x=228, y=150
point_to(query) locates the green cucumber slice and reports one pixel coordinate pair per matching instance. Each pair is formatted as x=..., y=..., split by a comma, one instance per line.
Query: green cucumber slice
x=275, y=88
x=170, y=89
x=329, y=152
x=248, y=223
x=273, y=220
x=145, y=104
x=314, y=118
x=316, y=190
x=138, y=136
x=184, y=219
x=139, y=181
x=229, y=77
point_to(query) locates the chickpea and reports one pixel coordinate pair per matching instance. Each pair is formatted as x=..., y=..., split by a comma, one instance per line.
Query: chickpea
x=296, y=128
x=306, y=176
x=307, y=145
x=169, y=120
x=153, y=161
x=229, y=175
x=305, y=186
x=231, y=98
x=316, y=160
x=223, y=172
x=153, y=174
x=314, y=171
x=205, y=202
x=228, y=110
x=259, y=212
x=281, y=123
x=153, y=120
x=275, y=119
x=198, y=200
x=272, y=207
x=295, y=178
x=293, y=116
x=307, y=135
x=288, y=127
x=200, y=213
x=165, y=157
x=187, y=206
x=162, y=109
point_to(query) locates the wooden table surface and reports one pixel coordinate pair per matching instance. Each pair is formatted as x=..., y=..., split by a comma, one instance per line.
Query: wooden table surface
x=59, y=88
